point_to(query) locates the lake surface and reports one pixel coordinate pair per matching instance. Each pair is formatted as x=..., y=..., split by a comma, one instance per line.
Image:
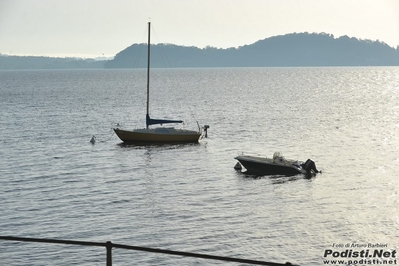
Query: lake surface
x=55, y=184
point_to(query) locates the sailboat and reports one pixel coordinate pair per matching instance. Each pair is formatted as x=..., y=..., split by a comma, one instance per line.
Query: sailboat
x=160, y=134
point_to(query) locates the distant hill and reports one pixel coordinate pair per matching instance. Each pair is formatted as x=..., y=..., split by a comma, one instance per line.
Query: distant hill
x=42, y=62
x=296, y=49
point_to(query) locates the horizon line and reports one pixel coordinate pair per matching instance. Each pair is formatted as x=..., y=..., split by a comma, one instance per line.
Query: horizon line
x=107, y=56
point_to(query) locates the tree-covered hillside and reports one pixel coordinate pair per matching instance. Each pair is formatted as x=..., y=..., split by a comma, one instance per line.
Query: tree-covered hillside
x=297, y=49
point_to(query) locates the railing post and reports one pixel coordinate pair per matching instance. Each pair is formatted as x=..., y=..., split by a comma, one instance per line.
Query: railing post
x=108, y=245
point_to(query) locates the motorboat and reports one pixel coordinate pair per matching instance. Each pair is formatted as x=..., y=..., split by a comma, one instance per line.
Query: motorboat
x=278, y=165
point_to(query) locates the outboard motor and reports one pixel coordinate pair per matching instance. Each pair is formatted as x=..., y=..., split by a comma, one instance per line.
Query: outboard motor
x=206, y=130
x=310, y=166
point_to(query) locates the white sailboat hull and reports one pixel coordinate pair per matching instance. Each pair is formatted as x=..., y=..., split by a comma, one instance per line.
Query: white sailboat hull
x=158, y=135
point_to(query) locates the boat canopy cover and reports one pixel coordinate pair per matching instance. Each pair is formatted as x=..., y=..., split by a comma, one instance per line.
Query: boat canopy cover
x=150, y=121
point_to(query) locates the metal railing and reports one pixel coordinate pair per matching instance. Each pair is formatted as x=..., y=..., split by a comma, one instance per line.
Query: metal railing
x=109, y=245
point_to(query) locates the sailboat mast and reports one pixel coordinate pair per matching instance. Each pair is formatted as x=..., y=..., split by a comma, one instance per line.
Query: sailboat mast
x=148, y=70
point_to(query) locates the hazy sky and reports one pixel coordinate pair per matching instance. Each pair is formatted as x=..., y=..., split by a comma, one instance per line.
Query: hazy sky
x=93, y=28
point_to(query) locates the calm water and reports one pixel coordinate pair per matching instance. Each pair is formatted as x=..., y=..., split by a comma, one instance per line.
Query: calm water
x=55, y=184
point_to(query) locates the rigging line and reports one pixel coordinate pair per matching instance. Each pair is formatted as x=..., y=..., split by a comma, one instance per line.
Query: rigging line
x=140, y=52
x=164, y=56
x=94, y=138
x=161, y=48
x=138, y=56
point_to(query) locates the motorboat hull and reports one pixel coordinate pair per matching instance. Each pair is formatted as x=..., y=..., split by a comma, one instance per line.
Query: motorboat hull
x=268, y=168
x=276, y=166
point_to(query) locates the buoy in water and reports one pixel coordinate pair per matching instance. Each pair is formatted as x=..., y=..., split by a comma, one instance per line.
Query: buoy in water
x=238, y=166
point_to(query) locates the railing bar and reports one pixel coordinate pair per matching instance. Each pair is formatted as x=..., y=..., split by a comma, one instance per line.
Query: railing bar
x=54, y=241
x=109, y=245
x=197, y=255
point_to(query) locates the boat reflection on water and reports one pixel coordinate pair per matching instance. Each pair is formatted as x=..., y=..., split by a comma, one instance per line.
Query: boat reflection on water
x=275, y=179
x=161, y=145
